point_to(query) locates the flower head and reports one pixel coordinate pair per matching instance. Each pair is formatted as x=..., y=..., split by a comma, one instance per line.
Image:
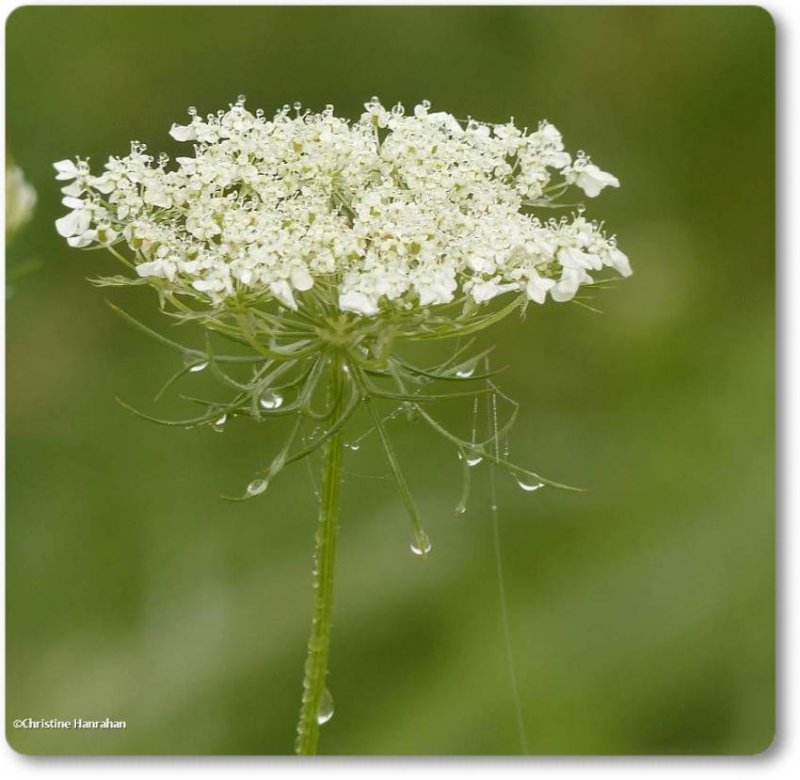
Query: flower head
x=390, y=214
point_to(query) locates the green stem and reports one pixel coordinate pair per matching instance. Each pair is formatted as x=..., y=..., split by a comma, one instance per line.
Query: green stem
x=316, y=666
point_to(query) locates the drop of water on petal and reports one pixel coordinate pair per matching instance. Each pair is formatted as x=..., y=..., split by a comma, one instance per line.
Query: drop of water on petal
x=256, y=487
x=420, y=543
x=270, y=400
x=325, y=711
x=528, y=485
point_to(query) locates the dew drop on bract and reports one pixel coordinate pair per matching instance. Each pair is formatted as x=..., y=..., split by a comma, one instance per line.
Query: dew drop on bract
x=325, y=711
x=256, y=487
x=528, y=485
x=420, y=543
x=466, y=372
x=270, y=400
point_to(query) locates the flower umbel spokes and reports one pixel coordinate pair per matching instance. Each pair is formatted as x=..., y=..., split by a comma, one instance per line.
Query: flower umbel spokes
x=282, y=378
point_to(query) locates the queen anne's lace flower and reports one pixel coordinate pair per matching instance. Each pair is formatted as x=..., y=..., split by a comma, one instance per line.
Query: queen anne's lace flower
x=391, y=212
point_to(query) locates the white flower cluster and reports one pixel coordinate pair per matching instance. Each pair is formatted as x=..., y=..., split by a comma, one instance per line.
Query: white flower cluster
x=390, y=211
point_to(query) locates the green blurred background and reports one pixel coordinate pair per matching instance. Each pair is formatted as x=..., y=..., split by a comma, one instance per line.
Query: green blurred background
x=641, y=611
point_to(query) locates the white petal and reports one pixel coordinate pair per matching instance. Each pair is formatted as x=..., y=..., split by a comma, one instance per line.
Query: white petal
x=101, y=184
x=358, y=303
x=183, y=132
x=573, y=258
x=448, y=120
x=283, y=292
x=84, y=239
x=485, y=290
x=619, y=261
x=68, y=224
x=73, y=190
x=557, y=160
x=66, y=170
x=566, y=287
x=301, y=279
x=207, y=285
x=537, y=288
x=149, y=269
x=592, y=180
x=245, y=275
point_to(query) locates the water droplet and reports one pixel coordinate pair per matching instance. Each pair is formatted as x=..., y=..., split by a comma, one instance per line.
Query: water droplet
x=466, y=372
x=426, y=104
x=257, y=487
x=325, y=711
x=473, y=459
x=527, y=484
x=192, y=111
x=353, y=445
x=270, y=400
x=297, y=105
x=197, y=367
x=461, y=509
x=420, y=543
x=241, y=100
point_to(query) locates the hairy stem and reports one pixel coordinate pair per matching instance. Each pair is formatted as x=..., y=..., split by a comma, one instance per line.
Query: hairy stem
x=316, y=666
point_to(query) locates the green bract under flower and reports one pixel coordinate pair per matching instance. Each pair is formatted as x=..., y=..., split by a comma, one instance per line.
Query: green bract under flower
x=385, y=217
